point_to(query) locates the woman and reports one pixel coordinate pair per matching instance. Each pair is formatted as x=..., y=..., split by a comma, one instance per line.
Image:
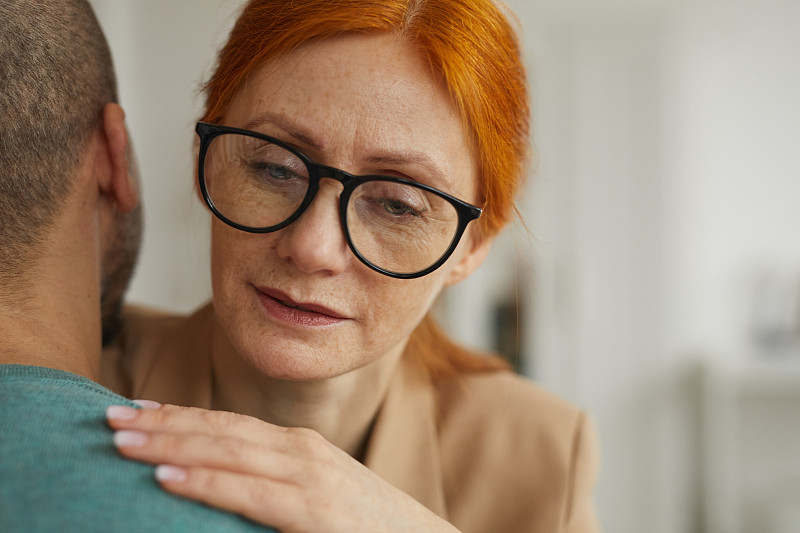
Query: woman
x=344, y=151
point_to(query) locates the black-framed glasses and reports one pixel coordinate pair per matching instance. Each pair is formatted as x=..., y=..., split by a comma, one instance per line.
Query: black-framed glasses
x=396, y=226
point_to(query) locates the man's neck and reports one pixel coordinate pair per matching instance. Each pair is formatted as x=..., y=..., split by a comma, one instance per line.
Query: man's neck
x=51, y=318
x=36, y=337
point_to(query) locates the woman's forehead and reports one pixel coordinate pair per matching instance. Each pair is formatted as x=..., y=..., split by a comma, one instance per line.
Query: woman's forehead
x=357, y=98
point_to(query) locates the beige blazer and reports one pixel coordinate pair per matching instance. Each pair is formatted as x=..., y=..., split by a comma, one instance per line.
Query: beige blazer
x=491, y=453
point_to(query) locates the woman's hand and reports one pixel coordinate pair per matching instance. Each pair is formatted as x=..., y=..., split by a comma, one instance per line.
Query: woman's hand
x=289, y=478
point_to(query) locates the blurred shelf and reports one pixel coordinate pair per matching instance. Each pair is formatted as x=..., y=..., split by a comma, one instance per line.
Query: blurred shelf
x=728, y=390
x=762, y=377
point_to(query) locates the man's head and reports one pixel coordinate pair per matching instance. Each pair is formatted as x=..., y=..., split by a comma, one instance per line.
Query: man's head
x=56, y=76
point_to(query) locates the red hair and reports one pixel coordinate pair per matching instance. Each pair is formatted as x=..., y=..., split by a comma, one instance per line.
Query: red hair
x=469, y=43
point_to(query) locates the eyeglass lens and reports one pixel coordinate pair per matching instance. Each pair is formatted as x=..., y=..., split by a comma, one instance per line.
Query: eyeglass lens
x=397, y=227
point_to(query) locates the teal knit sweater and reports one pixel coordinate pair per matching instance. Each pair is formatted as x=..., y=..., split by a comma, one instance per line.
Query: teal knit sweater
x=59, y=470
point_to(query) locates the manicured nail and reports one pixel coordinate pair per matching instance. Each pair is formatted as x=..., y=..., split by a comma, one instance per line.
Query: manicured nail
x=120, y=412
x=147, y=404
x=130, y=439
x=170, y=473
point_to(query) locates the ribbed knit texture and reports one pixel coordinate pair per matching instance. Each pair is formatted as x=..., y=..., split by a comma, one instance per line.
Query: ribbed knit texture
x=59, y=470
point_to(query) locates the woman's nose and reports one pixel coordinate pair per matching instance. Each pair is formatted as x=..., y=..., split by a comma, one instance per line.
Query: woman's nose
x=315, y=243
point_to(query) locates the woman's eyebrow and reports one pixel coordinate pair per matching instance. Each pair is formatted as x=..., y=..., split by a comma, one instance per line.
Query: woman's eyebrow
x=293, y=130
x=433, y=172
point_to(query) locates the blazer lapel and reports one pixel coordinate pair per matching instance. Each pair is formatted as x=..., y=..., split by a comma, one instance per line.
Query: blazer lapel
x=403, y=447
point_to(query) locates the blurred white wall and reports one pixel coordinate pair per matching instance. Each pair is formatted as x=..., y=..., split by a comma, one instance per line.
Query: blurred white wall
x=665, y=195
x=667, y=188
x=164, y=52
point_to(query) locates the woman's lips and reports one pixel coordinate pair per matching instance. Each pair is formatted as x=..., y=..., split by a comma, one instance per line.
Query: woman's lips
x=281, y=307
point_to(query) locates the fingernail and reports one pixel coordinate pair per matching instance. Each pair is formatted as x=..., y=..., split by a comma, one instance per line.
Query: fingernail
x=120, y=412
x=130, y=439
x=147, y=404
x=170, y=473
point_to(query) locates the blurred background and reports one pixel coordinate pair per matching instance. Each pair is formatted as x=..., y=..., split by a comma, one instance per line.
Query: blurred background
x=656, y=281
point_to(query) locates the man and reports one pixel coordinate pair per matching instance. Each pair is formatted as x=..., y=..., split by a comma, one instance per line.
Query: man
x=69, y=232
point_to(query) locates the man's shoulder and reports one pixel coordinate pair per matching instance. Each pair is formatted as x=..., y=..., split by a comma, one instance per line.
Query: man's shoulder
x=34, y=387
x=60, y=470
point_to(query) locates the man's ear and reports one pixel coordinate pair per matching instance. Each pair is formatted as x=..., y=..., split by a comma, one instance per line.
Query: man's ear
x=479, y=249
x=113, y=170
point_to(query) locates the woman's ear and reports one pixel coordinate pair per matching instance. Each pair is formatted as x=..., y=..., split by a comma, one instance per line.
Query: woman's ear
x=116, y=179
x=479, y=249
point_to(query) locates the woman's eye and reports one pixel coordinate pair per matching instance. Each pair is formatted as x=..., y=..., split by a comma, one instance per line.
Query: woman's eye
x=397, y=207
x=267, y=169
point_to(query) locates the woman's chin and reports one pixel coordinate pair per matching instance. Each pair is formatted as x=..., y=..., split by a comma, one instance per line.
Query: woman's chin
x=293, y=364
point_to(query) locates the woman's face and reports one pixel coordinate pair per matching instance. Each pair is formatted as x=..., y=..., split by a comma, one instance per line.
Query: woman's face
x=296, y=303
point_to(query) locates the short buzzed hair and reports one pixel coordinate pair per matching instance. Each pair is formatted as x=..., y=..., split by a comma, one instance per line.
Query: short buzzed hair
x=56, y=75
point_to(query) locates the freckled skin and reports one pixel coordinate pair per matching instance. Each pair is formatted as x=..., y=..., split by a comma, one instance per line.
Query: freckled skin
x=354, y=97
